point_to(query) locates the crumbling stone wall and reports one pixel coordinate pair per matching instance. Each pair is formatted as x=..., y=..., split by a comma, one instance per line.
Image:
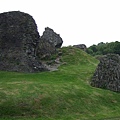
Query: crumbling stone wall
x=50, y=41
x=19, y=39
x=45, y=49
x=107, y=74
x=21, y=47
x=52, y=37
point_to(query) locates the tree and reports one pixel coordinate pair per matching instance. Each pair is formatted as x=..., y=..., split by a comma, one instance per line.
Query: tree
x=104, y=48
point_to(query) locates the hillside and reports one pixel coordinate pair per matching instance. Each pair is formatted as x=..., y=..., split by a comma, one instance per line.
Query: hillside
x=64, y=94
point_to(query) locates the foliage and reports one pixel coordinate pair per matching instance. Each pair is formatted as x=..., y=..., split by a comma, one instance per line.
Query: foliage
x=64, y=94
x=104, y=48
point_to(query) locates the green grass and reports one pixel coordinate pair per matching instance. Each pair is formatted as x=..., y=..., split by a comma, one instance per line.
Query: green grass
x=65, y=94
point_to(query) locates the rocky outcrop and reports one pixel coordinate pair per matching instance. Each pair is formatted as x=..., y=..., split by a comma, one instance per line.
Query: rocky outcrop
x=53, y=38
x=81, y=46
x=107, y=74
x=19, y=40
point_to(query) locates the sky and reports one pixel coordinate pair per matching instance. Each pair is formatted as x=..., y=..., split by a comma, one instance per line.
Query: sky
x=77, y=21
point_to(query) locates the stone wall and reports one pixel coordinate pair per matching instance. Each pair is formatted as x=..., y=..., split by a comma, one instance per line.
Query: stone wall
x=21, y=47
x=52, y=37
x=45, y=49
x=19, y=39
x=50, y=41
x=107, y=74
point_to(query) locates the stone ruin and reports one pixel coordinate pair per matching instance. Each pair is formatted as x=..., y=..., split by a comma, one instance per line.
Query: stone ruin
x=81, y=46
x=53, y=38
x=20, y=43
x=49, y=42
x=107, y=74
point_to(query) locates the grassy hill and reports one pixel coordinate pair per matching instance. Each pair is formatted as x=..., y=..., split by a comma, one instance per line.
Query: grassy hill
x=65, y=94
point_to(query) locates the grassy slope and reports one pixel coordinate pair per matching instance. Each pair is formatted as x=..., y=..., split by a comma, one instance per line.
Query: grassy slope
x=64, y=94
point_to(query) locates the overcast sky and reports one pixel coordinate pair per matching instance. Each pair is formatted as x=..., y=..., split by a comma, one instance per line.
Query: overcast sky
x=77, y=21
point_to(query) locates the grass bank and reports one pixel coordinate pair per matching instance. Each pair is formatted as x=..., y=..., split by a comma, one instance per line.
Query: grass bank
x=65, y=94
